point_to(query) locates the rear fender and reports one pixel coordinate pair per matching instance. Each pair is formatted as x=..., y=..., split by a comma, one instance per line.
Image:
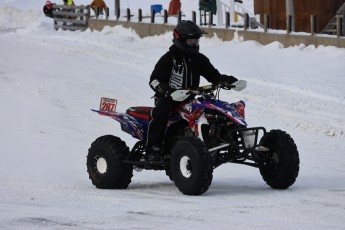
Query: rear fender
x=128, y=123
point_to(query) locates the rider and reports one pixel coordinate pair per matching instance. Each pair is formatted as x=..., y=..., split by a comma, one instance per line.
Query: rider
x=179, y=68
x=68, y=2
x=100, y=5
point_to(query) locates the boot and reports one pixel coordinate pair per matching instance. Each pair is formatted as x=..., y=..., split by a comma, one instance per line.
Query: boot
x=153, y=154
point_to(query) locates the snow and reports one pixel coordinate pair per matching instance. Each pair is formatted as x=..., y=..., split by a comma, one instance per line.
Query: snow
x=49, y=81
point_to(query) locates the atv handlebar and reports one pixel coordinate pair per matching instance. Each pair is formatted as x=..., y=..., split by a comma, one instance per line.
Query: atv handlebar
x=238, y=86
x=211, y=88
x=182, y=94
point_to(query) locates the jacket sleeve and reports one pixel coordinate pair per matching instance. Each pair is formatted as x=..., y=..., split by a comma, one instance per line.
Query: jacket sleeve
x=162, y=70
x=208, y=71
x=212, y=74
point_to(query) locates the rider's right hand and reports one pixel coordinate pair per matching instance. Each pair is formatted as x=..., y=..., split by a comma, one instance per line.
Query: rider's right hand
x=161, y=89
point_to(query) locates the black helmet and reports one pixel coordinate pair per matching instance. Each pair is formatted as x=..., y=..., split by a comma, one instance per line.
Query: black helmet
x=186, y=37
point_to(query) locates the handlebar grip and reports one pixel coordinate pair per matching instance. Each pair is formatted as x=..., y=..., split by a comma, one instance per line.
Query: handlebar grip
x=206, y=88
x=227, y=85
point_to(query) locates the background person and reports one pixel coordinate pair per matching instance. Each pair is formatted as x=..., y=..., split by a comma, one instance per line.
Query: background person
x=100, y=5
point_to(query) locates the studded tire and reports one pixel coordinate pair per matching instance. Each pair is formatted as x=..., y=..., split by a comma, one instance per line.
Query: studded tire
x=281, y=166
x=191, y=166
x=105, y=163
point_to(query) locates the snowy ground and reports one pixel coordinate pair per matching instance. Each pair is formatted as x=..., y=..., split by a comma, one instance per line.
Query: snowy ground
x=49, y=81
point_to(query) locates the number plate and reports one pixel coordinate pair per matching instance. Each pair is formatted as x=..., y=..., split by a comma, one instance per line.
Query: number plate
x=108, y=104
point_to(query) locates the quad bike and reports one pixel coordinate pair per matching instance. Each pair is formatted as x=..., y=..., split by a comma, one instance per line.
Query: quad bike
x=202, y=134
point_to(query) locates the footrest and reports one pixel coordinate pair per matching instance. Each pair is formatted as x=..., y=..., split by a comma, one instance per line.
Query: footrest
x=146, y=163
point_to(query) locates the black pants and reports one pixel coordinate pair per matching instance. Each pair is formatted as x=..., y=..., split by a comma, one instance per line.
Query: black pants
x=160, y=117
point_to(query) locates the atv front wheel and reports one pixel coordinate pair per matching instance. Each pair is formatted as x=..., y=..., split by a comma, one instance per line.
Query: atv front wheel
x=105, y=163
x=191, y=166
x=281, y=163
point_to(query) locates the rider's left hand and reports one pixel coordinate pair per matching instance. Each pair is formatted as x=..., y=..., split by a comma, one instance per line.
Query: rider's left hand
x=168, y=92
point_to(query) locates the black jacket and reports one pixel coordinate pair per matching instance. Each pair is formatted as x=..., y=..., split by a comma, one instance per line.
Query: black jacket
x=179, y=71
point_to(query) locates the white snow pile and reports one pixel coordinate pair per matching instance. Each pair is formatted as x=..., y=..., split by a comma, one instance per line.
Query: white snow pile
x=49, y=81
x=11, y=17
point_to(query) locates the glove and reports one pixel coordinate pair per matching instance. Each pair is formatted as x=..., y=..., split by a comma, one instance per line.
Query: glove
x=161, y=89
x=226, y=80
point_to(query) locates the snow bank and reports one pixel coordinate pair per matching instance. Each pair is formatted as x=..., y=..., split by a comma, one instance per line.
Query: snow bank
x=11, y=17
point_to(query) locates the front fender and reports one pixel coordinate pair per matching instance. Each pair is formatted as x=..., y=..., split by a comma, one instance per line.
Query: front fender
x=225, y=109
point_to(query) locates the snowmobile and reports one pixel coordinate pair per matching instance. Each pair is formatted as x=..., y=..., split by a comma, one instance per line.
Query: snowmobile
x=202, y=134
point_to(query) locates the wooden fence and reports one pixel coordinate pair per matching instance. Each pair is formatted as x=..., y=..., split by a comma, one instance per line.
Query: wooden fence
x=77, y=18
x=339, y=25
x=71, y=17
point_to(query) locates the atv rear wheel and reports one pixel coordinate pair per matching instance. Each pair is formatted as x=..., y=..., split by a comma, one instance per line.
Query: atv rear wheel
x=281, y=163
x=191, y=166
x=105, y=163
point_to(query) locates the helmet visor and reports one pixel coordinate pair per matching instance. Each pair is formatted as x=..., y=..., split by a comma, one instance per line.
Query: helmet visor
x=192, y=42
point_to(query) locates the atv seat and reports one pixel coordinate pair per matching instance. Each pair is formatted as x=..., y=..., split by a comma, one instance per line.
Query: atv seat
x=140, y=112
